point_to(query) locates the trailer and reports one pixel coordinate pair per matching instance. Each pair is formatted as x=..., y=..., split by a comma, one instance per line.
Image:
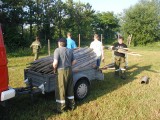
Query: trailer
x=45, y=83
x=42, y=83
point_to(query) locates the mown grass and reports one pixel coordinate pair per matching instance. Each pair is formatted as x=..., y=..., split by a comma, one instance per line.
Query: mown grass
x=111, y=99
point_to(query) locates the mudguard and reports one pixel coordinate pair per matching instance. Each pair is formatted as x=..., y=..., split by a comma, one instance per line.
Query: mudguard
x=77, y=76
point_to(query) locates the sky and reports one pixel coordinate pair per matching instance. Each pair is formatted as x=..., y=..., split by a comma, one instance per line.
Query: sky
x=116, y=6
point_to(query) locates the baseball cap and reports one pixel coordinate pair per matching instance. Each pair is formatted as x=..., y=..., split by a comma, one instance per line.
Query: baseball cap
x=62, y=40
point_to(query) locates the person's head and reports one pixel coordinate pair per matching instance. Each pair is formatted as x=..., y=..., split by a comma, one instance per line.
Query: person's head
x=96, y=37
x=120, y=40
x=62, y=42
x=69, y=35
x=37, y=38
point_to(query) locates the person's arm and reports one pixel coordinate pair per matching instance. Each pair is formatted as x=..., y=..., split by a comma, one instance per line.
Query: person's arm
x=114, y=47
x=55, y=62
x=31, y=45
x=74, y=45
x=91, y=46
x=40, y=45
x=74, y=61
x=102, y=53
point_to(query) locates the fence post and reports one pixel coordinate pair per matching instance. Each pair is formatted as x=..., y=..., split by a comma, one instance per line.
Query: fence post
x=101, y=38
x=79, y=40
x=49, y=46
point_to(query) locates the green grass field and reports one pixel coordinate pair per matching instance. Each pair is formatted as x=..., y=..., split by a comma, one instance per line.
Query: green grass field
x=111, y=99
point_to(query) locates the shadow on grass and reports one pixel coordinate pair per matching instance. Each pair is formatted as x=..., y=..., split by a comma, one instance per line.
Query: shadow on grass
x=100, y=88
x=22, y=108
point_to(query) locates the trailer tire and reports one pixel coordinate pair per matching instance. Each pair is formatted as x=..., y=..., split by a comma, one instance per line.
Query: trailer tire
x=81, y=89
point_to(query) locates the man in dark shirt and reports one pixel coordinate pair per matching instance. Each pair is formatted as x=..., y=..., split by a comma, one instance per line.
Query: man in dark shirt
x=63, y=61
x=119, y=58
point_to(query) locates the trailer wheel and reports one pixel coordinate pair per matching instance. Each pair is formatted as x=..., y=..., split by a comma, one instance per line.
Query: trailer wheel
x=81, y=89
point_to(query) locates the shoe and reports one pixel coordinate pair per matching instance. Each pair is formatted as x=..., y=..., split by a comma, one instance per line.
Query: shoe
x=72, y=108
x=58, y=111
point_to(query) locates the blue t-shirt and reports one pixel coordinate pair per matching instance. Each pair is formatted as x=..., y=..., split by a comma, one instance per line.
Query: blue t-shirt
x=71, y=43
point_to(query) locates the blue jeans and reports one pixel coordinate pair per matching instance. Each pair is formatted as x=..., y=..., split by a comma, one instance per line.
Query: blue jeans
x=98, y=61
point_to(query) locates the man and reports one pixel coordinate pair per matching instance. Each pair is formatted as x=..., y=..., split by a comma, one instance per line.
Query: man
x=129, y=39
x=36, y=45
x=70, y=42
x=119, y=58
x=97, y=47
x=63, y=61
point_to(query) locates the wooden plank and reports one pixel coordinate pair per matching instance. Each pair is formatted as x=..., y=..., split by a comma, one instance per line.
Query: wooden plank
x=86, y=59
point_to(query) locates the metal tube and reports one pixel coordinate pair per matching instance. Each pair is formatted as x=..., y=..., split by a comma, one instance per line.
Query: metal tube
x=145, y=80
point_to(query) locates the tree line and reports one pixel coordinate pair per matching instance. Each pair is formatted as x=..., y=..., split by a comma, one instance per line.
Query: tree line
x=143, y=22
x=22, y=20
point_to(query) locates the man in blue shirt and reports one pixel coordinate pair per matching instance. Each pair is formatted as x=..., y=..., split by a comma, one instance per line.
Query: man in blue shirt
x=70, y=42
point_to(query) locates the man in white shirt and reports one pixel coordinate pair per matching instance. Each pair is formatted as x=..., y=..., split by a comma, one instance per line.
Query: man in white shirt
x=97, y=47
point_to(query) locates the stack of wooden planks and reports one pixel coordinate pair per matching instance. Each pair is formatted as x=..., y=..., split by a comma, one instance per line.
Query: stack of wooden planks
x=85, y=57
x=108, y=66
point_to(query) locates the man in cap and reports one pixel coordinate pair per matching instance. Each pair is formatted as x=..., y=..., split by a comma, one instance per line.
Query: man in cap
x=63, y=61
x=36, y=45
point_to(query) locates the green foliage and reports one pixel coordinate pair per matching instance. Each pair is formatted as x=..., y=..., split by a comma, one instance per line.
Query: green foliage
x=142, y=21
x=79, y=19
x=106, y=23
x=22, y=20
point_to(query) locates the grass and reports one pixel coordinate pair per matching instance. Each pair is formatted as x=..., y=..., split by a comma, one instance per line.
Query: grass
x=111, y=99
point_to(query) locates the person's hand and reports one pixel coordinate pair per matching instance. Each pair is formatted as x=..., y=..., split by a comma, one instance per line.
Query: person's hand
x=116, y=49
x=102, y=59
x=54, y=71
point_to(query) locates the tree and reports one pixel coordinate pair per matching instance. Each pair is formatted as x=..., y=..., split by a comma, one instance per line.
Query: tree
x=143, y=22
x=22, y=20
x=106, y=23
x=11, y=18
x=78, y=19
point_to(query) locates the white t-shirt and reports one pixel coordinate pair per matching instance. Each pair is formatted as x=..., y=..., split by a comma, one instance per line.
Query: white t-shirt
x=97, y=47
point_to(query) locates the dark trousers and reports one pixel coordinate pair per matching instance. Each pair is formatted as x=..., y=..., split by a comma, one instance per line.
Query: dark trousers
x=64, y=91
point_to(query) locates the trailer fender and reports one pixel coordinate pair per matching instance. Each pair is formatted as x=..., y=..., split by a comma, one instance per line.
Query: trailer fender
x=78, y=76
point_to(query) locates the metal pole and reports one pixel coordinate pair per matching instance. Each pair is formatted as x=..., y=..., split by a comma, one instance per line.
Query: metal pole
x=79, y=40
x=101, y=38
x=49, y=46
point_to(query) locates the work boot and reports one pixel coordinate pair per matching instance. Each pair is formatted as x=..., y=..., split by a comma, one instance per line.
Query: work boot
x=72, y=108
